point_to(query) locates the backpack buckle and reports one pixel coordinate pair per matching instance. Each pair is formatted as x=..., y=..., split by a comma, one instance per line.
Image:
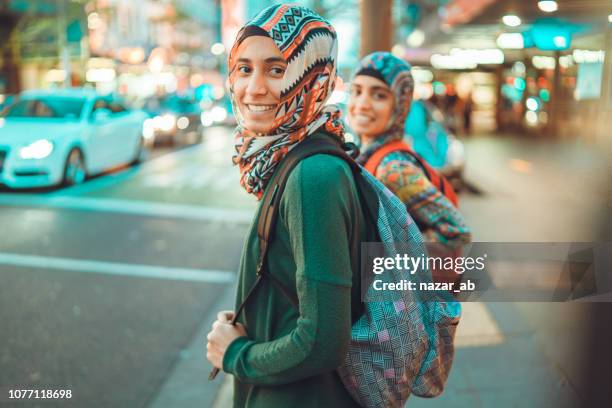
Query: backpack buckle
x=351, y=149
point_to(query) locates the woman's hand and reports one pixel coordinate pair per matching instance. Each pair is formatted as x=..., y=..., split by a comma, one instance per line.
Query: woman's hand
x=220, y=337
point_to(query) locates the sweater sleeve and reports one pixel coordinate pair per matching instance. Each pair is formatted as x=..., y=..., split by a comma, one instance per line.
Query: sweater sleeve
x=438, y=219
x=316, y=208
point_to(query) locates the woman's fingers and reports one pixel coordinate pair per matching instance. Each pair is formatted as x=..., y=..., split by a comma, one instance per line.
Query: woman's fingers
x=225, y=316
x=221, y=335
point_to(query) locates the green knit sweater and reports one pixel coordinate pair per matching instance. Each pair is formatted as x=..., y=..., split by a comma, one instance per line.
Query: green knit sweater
x=289, y=357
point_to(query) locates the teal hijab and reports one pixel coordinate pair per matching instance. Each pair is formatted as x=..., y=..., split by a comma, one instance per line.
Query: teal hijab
x=396, y=74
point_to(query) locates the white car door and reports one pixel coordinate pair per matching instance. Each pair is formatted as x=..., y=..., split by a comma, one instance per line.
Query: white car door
x=125, y=135
x=100, y=143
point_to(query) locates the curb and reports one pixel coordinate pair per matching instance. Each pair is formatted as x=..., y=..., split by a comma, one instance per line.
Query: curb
x=187, y=385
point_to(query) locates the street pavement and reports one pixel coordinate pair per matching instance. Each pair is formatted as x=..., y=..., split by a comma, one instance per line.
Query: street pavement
x=105, y=285
x=109, y=288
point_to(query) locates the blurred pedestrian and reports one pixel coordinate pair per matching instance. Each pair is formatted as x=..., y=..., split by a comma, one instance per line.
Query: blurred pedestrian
x=451, y=105
x=380, y=99
x=282, y=69
x=466, y=110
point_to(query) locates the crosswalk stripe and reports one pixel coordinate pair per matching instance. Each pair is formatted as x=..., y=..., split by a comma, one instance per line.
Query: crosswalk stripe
x=145, y=208
x=116, y=268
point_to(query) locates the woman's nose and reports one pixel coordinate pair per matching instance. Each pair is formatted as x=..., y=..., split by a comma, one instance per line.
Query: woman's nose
x=256, y=85
x=362, y=103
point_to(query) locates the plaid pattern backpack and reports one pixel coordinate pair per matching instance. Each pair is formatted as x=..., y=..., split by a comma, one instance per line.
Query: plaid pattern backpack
x=403, y=342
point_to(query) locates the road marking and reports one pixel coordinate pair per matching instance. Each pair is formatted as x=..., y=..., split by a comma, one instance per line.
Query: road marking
x=143, y=208
x=115, y=268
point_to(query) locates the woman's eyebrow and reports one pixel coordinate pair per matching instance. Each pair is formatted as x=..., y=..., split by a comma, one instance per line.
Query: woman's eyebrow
x=270, y=60
x=380, y=88
x=274, y=59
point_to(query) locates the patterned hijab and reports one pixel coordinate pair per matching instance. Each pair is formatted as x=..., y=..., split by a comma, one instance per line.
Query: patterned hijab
x=396, y=74
x=308, y=44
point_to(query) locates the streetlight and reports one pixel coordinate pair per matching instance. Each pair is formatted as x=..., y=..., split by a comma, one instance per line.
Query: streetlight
x=548, y=6
x=511, y=20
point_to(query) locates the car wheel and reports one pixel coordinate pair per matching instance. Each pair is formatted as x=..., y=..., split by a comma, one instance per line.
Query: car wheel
x=74, y=169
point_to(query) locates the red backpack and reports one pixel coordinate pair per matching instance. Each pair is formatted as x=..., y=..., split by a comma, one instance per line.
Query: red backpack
x=437, y=179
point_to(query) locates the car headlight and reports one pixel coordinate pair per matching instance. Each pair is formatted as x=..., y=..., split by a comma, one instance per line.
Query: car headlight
x=148, y=129
x=206, y=119
x=38, y=150
x=182, y=122
x=218, y=114
x=164, y=122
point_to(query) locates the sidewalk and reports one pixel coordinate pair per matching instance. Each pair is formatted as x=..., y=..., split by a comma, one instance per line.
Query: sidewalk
x=187, y=385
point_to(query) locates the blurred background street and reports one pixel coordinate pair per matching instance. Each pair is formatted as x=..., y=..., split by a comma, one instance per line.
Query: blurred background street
x=122, y=219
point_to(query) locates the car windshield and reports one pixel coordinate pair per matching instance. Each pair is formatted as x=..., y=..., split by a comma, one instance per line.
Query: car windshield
x=173, y=104
x=49, y=107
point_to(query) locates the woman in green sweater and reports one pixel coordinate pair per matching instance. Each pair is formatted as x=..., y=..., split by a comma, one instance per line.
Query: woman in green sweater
x=282, y=69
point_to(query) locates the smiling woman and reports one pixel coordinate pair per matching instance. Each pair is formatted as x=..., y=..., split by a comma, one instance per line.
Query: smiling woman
x=282, y=70
x=258, y=82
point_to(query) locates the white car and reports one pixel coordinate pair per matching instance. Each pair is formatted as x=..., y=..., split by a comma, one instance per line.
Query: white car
x=60, y=137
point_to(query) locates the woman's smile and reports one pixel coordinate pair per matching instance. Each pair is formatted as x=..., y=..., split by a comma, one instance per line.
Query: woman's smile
x=259, y=108
x=362, y=120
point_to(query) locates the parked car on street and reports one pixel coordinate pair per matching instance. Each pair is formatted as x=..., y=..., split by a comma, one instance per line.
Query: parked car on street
x=173, y=119
x=60, y=137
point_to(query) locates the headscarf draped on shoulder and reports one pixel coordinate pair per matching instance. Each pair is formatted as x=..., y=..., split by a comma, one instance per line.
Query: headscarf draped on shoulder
x=309, y=46
x=395, y=73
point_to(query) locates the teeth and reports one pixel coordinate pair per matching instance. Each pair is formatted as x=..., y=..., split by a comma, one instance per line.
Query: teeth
x=362, y=119
x=261, y=108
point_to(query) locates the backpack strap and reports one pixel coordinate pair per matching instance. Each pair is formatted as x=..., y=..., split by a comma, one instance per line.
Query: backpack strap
x=377, y=157
x=437, y=179
x=271, y=204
